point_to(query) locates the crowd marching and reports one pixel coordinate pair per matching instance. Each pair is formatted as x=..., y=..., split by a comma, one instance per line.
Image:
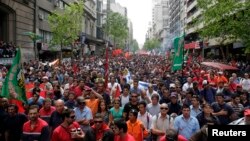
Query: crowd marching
x=142, y=100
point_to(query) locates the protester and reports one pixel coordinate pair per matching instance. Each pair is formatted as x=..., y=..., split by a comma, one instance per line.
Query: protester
x=121, y=133
x=35, y=128
x=99, y=131
x=69, y=130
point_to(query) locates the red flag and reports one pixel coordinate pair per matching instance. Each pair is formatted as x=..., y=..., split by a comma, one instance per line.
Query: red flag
x=117, y=92
x=106, y=68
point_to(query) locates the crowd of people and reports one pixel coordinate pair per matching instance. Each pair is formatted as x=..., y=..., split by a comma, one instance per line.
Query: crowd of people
x=142, y=100
x=7, y=50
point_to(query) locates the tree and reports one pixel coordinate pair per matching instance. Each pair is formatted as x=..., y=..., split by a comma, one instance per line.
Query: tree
x=151, y=44
x=116, y=27
x=66, y=25
x=134, y=46
x=224, y=20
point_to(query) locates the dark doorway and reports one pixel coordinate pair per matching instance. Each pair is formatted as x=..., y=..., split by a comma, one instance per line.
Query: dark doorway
x=3, y=25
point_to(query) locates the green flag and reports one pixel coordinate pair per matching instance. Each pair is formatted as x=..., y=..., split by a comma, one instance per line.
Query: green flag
x=14, y=86
x=178, y=53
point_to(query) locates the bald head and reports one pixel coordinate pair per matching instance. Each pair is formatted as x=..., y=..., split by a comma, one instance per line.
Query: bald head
x=59, y=104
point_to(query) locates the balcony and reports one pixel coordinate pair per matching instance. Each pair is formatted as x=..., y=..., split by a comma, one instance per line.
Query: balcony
x=193, y=16
x=191, y=5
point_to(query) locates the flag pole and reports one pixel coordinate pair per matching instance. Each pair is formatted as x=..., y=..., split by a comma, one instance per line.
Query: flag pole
x=182, y=67
x=106, y=67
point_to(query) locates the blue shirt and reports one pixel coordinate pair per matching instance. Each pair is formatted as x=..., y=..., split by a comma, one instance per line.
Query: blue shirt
x=186, y=127
x=83, y=114
x=194, y=112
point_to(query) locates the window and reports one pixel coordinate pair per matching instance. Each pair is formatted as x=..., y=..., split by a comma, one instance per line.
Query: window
x=43, y=14
x=46, y=36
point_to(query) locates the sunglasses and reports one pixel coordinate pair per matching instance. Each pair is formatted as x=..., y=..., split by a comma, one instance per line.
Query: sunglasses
x=72, y=117
x=164, y=108
x=133, y=96
x=98, y=121
x=81, y=103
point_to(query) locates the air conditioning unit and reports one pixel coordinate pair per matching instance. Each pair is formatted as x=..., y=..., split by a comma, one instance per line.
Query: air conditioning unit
x=56, y=3
x=40, y=16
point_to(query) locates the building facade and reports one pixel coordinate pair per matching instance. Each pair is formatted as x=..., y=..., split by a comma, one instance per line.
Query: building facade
x=20, y=16
x=175, y=17
x=17, y=17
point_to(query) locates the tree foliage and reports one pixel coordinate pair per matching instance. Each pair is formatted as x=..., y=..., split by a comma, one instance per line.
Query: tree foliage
x=66, y=25
x=134, y=46
x=116, y=27
x=151, y=44
x=226, y=20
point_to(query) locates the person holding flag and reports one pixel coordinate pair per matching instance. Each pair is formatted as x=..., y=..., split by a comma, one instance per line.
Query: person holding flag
x=14, y=84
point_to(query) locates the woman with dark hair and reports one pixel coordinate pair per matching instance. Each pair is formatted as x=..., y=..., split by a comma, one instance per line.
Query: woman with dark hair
x=103, y=110
x=116, y=112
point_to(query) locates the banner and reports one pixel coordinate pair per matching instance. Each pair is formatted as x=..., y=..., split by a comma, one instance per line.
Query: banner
x=14, y=86
x=178, y=53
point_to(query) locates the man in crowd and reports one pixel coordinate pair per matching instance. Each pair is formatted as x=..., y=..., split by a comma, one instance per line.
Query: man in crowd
x=83, y=114
x=56, y=116
x=186, y=124
x=13, y=123
x=135, y=127
x=46, y=111
x=121, y=131
x=161, y=122
x=99, y=131
x=36, y=128
x=69, y=130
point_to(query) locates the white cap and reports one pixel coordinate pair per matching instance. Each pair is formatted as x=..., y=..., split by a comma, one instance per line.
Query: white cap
x=172, y=85
x=204, y=82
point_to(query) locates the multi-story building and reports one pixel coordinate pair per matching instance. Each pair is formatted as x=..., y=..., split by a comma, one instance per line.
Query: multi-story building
x=175, y=17
x=160, y=20
x=17, y=17
x=20, y=16
x=130, y=33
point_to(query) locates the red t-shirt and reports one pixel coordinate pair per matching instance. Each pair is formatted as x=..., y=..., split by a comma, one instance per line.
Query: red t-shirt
x=78, y=91
x=64, y=134
x=42, y=112
x=180, y=138
x=127, y=137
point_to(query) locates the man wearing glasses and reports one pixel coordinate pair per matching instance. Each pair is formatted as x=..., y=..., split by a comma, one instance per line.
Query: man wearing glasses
x=69, y=130
x=83, y=114
x=161, y=122
x=133, y=104
x=99, y=131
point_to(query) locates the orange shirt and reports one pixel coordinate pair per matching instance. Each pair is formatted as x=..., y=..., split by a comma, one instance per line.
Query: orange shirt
x=93, y=105
x=222, y=79
x=136, y=131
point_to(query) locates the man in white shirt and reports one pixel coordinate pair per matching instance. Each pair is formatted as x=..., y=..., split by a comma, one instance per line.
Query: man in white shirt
x=187, y=85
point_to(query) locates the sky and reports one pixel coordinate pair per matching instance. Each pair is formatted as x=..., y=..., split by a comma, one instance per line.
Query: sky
x=140, y=13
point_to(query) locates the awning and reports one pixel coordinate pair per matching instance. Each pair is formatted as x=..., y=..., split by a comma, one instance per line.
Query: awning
x=219, y=66
x=91, y=39
x=192, y=45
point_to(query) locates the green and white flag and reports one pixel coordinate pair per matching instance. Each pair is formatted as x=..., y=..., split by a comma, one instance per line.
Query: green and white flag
x=14, y=86
x=178, y=53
